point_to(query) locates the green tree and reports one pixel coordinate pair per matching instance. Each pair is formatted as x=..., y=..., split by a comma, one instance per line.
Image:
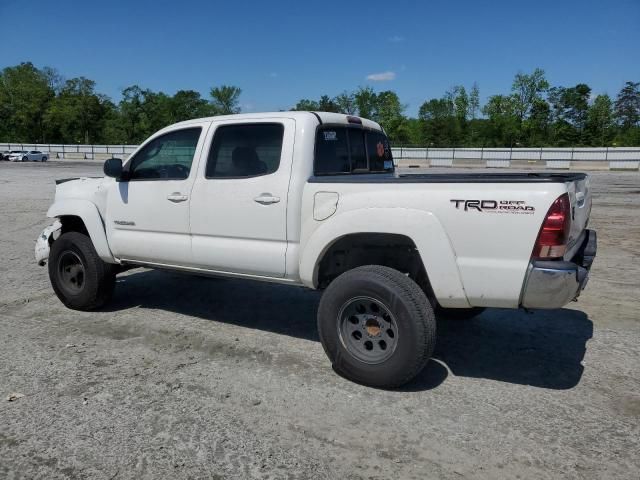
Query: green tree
x=157, y=110
x=536, y=126
x=504, y=128
x=225, y=99
x=438, y=122
x=114, y=131
x=306, y=105
x=527, y=88
x=461, y=103
x=413, y=132
x=367, y=103
x=25, y=95
x=76, y=115
x=570, y=108
x=600, y=124
x=474, y=101
x=474, y=109
x=327, y=104
x=390, y=116
x=54, y=79
x=39, y=105
x=188, y=104
x=627, y=106
x=132, y=113
x=346, y=102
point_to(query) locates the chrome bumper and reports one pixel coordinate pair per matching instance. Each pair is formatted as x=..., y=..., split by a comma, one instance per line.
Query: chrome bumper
x=553, y=284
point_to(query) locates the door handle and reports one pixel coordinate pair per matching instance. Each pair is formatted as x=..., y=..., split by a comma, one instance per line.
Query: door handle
x=177, y=197
x=267, y=199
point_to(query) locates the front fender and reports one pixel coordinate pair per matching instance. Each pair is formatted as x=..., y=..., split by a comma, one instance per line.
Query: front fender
x=89, y=214
x=423, y=228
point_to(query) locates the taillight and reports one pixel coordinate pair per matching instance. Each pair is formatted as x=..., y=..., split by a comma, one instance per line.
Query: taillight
x=554, y=233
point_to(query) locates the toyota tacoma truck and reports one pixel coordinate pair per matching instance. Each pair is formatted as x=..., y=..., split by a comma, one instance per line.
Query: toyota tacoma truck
x=313, y=199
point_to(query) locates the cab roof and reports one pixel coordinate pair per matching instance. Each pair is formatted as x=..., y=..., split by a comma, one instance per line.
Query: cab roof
x=320, y=117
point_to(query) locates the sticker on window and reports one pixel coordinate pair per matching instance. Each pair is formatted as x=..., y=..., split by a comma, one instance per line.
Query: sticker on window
x=388, y=164
x=380, y=149
x=330, y=136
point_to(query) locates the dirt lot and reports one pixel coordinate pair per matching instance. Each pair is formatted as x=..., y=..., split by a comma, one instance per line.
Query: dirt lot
x=191, y=377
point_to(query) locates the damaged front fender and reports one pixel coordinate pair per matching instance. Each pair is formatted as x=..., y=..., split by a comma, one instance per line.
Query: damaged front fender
x=43, y=243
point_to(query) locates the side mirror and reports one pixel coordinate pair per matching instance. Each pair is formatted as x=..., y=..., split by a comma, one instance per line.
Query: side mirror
x=113, y=168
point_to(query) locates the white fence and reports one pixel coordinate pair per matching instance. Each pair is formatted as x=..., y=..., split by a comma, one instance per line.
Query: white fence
x=564, y=158
x=625, y=158
x=73, y=151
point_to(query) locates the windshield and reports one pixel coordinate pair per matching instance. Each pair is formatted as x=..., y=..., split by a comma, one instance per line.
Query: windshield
x=342, y=149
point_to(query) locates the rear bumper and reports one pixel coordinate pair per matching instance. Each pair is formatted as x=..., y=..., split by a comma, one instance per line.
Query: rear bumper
x=553, y=284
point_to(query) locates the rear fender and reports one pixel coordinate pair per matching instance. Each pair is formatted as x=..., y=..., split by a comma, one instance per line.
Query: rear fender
x=90, y=215
x=423, y=228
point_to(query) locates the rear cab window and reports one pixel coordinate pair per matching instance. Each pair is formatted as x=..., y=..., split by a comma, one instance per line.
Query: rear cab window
x=343, y=149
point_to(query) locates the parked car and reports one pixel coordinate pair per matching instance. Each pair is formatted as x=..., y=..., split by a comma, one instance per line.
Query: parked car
x=34, y=156
x=313, y=199
x=5, y=155
x=16, y=155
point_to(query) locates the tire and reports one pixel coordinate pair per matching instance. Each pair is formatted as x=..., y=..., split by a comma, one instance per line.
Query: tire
x=73, y=256
x=458, y=314
x=25, y=159
x=389, y=308
x=44, y=159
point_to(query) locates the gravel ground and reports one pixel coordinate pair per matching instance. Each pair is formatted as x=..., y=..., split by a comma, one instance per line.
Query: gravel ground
x=183, y=377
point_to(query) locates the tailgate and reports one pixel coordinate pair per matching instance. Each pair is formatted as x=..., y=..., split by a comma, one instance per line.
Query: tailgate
x=580, y=197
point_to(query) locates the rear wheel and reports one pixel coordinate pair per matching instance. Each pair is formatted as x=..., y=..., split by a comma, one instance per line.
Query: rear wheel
x=25, y=159
x=44, y=159
x=376, y=326
x=79, y=277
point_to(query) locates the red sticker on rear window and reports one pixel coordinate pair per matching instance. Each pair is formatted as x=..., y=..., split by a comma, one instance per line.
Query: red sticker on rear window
x=380, y=149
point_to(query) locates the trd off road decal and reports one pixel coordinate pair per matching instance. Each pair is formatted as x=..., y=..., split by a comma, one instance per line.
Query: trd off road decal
x=494, y=206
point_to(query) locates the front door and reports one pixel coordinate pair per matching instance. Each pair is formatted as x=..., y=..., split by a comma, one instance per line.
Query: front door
x=239, y=200
x=148, y=213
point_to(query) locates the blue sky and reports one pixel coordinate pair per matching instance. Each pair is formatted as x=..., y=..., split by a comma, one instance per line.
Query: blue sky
x=281, y=51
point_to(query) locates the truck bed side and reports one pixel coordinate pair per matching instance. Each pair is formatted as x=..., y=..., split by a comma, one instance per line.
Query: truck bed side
x=474, y=233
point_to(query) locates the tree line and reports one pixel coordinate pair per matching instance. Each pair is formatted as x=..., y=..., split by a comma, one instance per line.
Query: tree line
x=40, y=106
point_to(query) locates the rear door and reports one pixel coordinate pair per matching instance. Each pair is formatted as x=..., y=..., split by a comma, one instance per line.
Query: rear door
x=239, y=200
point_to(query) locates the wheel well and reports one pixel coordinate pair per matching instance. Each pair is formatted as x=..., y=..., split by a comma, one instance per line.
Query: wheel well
x=387, y=249
x=73, y=223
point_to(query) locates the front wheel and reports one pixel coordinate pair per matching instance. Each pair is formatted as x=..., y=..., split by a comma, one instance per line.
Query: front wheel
x=376, y=326
x=25, y=159
x=79, y=277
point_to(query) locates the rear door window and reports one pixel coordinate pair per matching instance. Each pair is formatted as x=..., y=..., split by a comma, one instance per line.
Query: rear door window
x=243, y=151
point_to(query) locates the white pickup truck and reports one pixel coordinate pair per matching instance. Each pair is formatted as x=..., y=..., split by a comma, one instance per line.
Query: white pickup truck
x=313, y=199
